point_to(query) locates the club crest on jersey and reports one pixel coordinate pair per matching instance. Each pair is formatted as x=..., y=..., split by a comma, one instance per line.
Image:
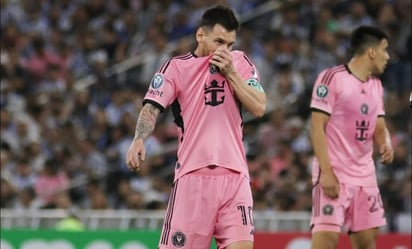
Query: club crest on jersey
x=213, y=69
x=327, y=210
x=322, y=91
x=157, y=81
x=178, y=239
x=364, y=109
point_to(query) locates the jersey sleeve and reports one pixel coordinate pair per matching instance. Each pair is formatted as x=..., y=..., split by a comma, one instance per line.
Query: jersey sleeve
x=248, y=71
x=162, y=89
x=381, y=111
x=323, y=94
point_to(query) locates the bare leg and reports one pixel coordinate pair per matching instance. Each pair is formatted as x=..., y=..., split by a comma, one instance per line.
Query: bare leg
x=325, y=240
x=240, y=245
x=365, y=239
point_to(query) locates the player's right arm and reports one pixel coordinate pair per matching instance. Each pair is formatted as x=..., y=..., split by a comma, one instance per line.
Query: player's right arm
x=144, y=127
x=327, y=180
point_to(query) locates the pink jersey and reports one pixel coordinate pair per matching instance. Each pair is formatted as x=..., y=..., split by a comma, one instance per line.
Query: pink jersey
x=205, y=109
x=353, y=107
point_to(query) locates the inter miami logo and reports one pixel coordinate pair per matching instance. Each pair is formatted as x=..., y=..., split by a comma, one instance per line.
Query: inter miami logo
x=178, y=239
x=213, y=69
x=327, y=210
x=214, y=93
x=364, y=109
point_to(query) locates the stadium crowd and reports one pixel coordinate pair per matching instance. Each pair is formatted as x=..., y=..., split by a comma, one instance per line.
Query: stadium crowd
x=70, y=99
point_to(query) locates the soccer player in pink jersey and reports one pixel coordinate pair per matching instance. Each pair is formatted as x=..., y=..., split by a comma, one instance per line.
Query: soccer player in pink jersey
x=347, y=119
x=206, y=89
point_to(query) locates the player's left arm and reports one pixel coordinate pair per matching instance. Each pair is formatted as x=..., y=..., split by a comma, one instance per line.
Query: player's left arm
x=382, y=139
x=250, y=94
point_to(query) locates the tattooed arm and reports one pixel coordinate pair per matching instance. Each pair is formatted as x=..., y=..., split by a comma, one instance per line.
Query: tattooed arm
x=144, y=127
x=146, y=121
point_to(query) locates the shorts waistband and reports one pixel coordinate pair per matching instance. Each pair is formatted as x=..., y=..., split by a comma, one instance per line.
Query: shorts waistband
x=213, y=170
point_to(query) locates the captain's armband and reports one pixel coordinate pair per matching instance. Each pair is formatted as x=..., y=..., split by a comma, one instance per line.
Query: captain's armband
x=255, y=84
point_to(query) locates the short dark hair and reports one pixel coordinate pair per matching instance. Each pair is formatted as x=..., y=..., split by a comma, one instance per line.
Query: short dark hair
x=364, y=37
x=222, y=15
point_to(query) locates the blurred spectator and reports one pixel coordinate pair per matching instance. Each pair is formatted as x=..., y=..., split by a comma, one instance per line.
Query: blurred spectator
x=49, y=183
x=299, y=139
x=6, y=164
x=281, y=161
x=357, y=16
x=135, y=201
x=180, y=27
x=7, y=193
x=286, y=88
x=94, y=161
x=121, y=197
x=27, y=200
x=98, y=201
x=24, y=132
x=273, y=132
x=35, y=156
x=155, y=55
x=24, y=177
x=42, y=57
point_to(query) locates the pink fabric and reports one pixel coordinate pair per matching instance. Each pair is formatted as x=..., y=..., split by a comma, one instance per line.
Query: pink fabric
x=357, y=209
x=46, y=186
x=208, y=113
x=354, y=107
x=277, y=164
x=206, y=203
x=37, y=65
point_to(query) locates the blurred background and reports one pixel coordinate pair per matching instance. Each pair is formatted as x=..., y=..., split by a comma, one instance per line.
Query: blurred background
x=74, y=72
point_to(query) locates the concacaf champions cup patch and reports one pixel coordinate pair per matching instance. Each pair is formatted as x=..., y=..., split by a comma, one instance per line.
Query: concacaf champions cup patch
x=157, y=81
x=322, y=91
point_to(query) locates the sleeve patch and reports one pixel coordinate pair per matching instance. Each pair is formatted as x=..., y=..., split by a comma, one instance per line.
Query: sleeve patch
x=255, y=84
x=322, y=91
x=157, y=81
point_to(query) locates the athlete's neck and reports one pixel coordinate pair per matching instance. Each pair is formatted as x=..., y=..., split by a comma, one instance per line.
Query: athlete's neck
x=198, y=53
x=359, y=68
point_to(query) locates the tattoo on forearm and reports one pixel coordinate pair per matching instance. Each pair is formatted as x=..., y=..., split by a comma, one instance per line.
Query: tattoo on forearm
x=146, y=121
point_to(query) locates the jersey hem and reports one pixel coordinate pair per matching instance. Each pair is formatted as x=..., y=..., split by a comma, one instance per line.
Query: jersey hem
x=203, y=165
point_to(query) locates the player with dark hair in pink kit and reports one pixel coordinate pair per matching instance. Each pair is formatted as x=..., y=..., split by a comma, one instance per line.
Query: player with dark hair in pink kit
x=206, y=89
x=347, y=121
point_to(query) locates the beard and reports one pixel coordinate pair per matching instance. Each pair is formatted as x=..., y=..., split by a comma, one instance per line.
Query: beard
x=377, y=71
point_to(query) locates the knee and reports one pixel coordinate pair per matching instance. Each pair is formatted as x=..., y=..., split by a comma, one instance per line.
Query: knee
x=364, y=239
x=327, y=244
x=325, y=240
x=368, y=244
x=364, y=243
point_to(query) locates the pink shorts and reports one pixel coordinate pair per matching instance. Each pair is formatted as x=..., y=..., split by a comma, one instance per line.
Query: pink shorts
x=357, y=208
x=210, y=202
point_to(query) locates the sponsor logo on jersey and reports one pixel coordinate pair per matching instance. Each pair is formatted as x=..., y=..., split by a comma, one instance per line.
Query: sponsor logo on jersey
x=155, y=92
x=214, y=93
x=364, y=109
